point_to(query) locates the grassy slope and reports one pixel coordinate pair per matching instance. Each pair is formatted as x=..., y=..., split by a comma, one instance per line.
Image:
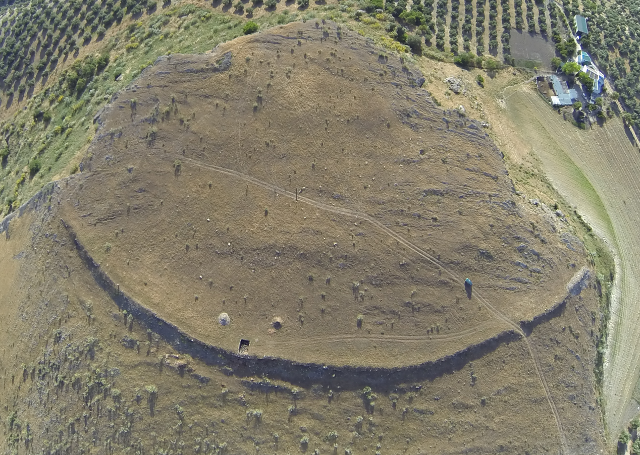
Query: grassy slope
x=601, y=161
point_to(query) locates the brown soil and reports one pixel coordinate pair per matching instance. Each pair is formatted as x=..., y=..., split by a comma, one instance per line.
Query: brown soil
x=386, y=225
x=309, y=181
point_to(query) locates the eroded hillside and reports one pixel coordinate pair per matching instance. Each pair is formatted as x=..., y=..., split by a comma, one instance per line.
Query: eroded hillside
x=303, y=183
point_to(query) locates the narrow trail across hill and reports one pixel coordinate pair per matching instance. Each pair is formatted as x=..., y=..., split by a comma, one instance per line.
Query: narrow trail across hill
x=395, y=338
x=411, y=246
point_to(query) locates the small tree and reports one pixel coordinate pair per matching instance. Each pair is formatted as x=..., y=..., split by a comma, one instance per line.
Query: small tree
x=480, y=80
x=465, y=59
x=627, y=119
x=249, y=28
x=34, y=167
x=415, y=43
x=615, y=96
x=570, y=68
x=491, y=64
x=556, y=62
x=577, y=105
x=624, y=437
x=585, y=79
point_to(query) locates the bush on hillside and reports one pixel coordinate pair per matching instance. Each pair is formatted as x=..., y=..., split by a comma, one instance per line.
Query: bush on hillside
x=415, y=43
x=249, y=28
x=34, y=167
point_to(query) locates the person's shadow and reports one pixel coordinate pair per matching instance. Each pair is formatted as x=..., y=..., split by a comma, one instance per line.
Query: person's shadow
x=467, y=287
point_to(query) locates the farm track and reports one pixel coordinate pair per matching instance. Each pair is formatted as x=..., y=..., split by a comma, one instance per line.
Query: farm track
x=611, y=165
x=361, y=216
x=398, y=339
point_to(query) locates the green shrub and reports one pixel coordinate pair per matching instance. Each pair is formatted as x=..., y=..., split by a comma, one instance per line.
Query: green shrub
x=303, y=3
x=186, y=10
x=401, y=34
x=480, y=80
x=415, y=43
x=249, y=28
x=624, y=437
x=34, y=167
x=465, y=59
x=4, y=154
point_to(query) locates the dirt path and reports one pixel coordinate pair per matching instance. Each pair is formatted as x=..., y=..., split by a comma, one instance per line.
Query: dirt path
x=363, y=217
x=500, y=30
x=597, y=172
x=474, y=37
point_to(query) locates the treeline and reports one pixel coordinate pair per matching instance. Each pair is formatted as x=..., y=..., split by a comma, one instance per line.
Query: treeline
x=613, y=43
x=34, y=38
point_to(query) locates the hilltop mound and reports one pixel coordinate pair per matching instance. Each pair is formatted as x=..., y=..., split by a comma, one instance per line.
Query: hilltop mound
x=265, y=240
x=303, y=175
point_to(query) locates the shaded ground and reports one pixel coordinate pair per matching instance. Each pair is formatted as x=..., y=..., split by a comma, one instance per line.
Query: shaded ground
x=531, y=50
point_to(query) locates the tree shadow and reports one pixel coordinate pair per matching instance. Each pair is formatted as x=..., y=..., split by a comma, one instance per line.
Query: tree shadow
x=629, y=133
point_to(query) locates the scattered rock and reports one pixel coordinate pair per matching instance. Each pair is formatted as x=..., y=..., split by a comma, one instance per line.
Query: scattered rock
x=579, y=282
x=461, y=110
x=455, y=84
x=224, y=319
x=559, y=213
x=534, y=202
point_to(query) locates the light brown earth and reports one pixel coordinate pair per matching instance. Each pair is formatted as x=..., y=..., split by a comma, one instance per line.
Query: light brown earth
x=388, y=225
x=310, y=181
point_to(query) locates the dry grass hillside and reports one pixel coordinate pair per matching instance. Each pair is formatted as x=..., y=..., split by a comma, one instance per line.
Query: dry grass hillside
x=385, y=225
x=302, y=182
